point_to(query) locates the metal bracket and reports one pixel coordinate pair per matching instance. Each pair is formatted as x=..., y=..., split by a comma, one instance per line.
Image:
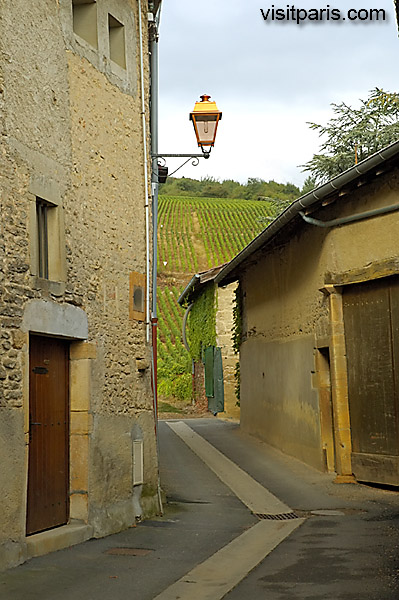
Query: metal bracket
x=193, y=157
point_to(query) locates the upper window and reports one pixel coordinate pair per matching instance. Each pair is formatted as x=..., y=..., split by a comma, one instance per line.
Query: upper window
x=85, y=20
x=117, y=41
x=42, y=220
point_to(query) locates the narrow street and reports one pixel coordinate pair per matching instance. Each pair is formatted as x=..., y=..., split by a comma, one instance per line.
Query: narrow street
x=341, y=543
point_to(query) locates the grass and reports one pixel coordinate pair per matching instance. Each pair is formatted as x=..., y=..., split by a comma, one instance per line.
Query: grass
x=164, y=407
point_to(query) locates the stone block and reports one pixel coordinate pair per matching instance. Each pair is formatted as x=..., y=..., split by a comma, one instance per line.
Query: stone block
x=79, y=507
x=81, y=423
x=79, y=456
x=80, y=384
x=83, y=350
x=57, y=539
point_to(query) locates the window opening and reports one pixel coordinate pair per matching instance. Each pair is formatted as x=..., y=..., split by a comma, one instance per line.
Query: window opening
x=117, y=41
x=85, y=20
x=42, y=236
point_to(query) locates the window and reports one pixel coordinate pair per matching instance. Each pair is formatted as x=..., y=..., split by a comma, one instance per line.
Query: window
x=116, y=41
x=47, y=240
x=137, y=296
x=42, y=210
x=85, y=20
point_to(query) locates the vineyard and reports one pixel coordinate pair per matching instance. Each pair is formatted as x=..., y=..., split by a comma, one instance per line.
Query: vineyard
x=200, y=233
x=195, y=234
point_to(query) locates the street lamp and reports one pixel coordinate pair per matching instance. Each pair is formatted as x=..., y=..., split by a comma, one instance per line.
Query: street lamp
x=205, y=118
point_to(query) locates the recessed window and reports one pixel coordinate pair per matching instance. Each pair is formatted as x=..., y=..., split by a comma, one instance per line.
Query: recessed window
x=137, y=296
x=117, y=41
x=85, y=20
x=42, y=220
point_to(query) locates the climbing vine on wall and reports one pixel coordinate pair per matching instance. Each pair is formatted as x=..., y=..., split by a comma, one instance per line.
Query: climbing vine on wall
x=237, y=320
x=202, y=323
x=237, y=337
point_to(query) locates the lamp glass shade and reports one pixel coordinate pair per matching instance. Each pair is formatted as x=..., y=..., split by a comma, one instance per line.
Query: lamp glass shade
x=205, y=118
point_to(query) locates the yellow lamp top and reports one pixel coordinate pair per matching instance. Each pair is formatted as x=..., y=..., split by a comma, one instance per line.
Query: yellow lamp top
x=205, y=106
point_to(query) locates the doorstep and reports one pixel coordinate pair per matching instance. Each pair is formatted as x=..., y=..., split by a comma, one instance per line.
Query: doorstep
x=57, y=539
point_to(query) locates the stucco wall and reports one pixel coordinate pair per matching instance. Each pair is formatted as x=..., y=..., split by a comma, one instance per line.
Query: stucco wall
x=72, y=133
x=286, y=316
x=224, y=324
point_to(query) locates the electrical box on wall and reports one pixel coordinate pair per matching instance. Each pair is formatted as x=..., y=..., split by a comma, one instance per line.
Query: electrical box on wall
x=138, y=462
x=137, y=296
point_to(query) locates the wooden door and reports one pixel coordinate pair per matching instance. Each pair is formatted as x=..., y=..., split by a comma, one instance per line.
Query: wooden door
x=48, y=464
x=371, y=333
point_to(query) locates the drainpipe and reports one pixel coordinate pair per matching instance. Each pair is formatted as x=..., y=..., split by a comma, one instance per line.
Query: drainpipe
x=154, y=136
x=145, y=157
x=154, y=189
x=350, y=219
x=184, y=336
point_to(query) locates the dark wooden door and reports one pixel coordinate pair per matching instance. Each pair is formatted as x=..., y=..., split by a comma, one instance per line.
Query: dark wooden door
x=371, y=333
x=48, y=472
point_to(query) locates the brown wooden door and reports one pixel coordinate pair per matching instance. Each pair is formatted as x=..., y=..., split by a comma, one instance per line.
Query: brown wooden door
x=372, y=345
x=48, y=472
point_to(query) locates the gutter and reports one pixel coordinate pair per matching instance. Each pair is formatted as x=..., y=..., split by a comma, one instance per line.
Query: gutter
x=352, y=218
x=305, y=201
x=189, y=288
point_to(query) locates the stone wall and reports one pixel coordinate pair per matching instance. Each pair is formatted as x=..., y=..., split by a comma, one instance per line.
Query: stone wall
x=224, y=325
x=71, y=133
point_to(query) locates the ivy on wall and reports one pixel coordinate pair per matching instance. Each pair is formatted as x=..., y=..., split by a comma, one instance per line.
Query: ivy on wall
x=236, y=337
x=237, y=320
x=202, y=323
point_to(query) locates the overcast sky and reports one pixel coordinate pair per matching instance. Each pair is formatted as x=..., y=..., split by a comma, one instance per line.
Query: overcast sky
x=267, y=77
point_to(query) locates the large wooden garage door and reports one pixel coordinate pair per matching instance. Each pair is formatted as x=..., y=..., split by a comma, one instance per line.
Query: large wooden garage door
x=48, y=471
x=371, y=320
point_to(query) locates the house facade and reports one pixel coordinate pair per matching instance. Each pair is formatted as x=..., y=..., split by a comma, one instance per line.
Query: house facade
x=77, y=432
x=319, y=291
x=214, y=357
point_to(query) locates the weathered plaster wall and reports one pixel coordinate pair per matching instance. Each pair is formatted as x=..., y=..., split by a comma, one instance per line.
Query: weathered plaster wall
x=224, y=325
x=34, y=143
x=286, y=316
x=106, y=204
x=70, y=125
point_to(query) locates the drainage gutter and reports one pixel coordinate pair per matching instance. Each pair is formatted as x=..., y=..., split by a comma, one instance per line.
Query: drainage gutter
x=343, y=220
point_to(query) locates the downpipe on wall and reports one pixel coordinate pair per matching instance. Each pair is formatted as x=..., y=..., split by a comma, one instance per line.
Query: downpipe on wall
x=153, y=320
x=145, y=153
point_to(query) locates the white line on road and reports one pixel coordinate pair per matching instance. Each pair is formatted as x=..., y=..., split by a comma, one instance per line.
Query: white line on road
x=216, y=576
x=257, y=498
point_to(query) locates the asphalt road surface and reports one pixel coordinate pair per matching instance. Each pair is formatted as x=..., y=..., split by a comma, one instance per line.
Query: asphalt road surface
x=242, y=521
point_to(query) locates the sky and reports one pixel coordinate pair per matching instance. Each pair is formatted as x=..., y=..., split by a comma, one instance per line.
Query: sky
x=268, y=77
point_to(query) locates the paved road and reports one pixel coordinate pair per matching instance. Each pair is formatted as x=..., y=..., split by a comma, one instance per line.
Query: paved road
x=208, y=535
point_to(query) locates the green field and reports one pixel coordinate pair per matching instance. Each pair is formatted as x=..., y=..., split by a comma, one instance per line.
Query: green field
x=200, y=233
x=195, y=234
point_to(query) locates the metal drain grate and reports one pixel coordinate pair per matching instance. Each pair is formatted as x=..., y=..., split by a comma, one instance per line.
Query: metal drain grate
x=280, y=517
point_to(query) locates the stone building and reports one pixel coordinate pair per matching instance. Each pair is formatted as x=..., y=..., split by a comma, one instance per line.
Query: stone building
x=223, y=300
x=77, y=437
x=320, y=297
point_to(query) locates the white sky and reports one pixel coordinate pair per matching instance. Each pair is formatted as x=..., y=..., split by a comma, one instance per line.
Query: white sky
x=268, y=79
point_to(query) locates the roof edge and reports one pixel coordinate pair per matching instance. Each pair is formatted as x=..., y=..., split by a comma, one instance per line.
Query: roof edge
x=333, y=185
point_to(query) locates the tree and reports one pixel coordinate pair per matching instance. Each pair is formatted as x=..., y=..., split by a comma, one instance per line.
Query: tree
x=308, y=185
x=353, y=134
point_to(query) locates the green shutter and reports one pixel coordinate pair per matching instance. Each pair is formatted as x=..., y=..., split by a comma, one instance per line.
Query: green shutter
x=208, y=360
x=216, y=404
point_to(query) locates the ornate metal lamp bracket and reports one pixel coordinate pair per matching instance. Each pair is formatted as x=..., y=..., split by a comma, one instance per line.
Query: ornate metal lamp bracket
x=193, y=157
